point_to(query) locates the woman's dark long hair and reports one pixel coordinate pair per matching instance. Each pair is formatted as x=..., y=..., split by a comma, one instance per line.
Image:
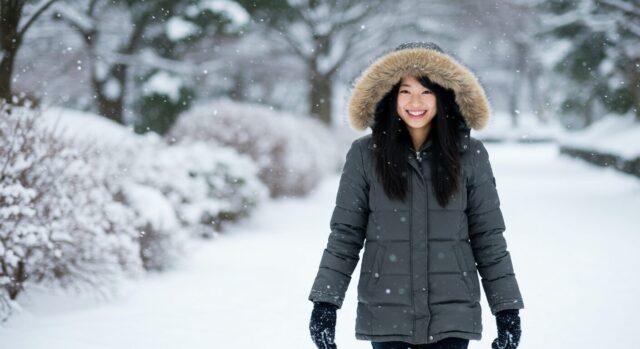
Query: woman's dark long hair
x=391, y=139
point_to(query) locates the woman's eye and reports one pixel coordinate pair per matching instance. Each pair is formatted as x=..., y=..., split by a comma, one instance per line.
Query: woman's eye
x=404, y=91
x=427, y=92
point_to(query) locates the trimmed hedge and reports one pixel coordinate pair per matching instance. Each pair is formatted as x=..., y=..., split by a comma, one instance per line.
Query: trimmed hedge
x=631, y=167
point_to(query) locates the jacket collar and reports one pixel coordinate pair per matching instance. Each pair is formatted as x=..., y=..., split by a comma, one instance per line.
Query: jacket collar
x=424, y=146
x=465, y=137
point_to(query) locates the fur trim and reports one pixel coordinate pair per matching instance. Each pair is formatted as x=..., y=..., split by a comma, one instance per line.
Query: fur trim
x=442, y=69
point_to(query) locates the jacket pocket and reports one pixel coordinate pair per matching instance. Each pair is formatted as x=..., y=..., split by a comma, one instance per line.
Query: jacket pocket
x=378, y=262
x=468, y=273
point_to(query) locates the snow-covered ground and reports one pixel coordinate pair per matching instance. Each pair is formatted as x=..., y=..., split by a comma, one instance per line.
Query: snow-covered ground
x=572, y=230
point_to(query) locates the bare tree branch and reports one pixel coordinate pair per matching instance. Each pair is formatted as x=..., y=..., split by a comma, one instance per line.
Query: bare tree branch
x=286, y=39
x=149, y=59
x=632, y=28
x=83, y=22
x=43, y=6
x=626, y=8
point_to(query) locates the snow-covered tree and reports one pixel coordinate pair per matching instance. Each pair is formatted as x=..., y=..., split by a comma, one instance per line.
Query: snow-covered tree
x=302, y=55
x=500, y=41
x=599, y=42
x=136, y=52
x=323, y=34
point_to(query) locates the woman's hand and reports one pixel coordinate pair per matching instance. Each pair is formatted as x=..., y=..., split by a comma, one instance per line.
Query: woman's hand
x=508, y=322
x=322, y=325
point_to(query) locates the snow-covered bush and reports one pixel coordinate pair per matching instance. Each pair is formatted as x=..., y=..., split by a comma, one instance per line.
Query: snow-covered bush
x=292, y=152
x=206, y=184
x=84, y=201
x=161, y=237
x=179, y=173
x=59, y=220
x=116, y=151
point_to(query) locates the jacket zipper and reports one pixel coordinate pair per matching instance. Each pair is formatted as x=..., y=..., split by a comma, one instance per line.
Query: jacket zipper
x=426, y=235
x=426, y=238
x=413, y=305
x=426, y=195
x=418, y=156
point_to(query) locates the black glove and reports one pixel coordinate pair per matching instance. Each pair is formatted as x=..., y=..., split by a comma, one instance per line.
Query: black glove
x=508, y=322
x=323, y=325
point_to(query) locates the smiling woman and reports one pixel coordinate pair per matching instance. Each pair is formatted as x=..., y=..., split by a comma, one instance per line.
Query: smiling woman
x=419, y=195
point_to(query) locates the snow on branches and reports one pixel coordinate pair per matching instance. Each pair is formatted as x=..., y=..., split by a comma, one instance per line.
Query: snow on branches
x=59, y=222
x=292, y=152
x=206, y=184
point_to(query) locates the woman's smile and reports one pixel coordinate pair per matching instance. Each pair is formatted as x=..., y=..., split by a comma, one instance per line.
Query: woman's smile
x=416, y=113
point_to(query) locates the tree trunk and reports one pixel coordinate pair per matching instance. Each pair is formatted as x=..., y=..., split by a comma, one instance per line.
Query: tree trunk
x=513, y=102
x=589, y=118
x=635, y=87
x=6, y=71
x=520, y=64
x=534, y=72
x=19, y=277
x=238, y=90
x=10, y=14
x=111, y=108
x=320, y=94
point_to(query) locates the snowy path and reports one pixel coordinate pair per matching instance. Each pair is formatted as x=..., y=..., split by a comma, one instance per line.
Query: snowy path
x=573, y=232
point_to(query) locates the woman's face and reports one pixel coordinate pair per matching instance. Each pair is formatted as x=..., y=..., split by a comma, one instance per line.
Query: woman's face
x=416, y=104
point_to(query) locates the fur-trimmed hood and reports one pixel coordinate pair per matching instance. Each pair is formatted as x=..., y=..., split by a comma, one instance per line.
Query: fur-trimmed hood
x=417, y=59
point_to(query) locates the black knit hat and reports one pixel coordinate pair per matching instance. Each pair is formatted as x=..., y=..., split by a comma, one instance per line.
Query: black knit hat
x=419, y=44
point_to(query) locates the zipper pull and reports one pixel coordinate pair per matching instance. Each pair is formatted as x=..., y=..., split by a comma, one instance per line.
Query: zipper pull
x=418, y=156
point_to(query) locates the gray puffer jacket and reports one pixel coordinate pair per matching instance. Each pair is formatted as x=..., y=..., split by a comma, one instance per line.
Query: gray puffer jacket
x=419, y=274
